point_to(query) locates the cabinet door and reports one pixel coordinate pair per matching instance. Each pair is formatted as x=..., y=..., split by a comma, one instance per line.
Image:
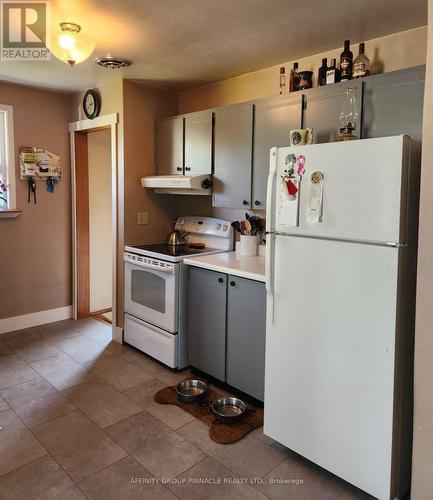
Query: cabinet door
x=273, y=120
x=207, y=295
x=393, y=103
x=198, y=143
x=169, y=146
x=322, y=107
x=233, y=156
x=246, y=329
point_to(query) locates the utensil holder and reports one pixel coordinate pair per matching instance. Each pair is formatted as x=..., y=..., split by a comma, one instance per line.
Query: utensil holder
x=248, y=246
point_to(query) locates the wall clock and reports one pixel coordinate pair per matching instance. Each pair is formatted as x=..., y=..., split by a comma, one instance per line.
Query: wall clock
x=91, y=104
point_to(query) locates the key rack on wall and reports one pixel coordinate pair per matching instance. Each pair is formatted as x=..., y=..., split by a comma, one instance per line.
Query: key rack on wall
x=39, y=164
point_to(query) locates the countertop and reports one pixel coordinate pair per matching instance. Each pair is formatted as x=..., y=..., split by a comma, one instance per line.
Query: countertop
x=252, y=268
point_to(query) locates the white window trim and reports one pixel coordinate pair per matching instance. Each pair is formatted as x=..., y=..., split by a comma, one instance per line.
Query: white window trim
x=10, y=155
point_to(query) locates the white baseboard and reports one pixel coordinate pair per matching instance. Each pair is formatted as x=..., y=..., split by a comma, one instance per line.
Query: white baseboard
x=34, y=319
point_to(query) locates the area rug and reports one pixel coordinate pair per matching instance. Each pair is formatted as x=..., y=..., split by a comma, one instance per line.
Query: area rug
x=218, y=432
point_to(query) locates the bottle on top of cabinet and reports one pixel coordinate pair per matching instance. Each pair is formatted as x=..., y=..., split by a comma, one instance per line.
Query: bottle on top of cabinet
x=332, y=73
x=361, y=65
x=283, y=89
x=294, y=78
x=346, y=62
x=321, y=77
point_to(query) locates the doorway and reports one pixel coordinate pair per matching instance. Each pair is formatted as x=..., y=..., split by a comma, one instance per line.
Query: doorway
x=94, y=200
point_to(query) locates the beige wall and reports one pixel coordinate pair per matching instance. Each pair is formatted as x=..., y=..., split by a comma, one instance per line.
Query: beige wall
x=142, y=106
x=422, y=467
x=389, y=53
x=100, y=220
x=35, y=249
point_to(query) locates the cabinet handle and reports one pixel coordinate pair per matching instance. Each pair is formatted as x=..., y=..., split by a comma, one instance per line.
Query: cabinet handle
x=232, y=283
x=245, y=202
x=179, y=169
x=257, y=203
x=220, y=280
x=188, y=168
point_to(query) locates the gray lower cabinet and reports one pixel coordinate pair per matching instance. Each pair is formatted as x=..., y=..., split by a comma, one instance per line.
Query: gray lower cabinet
x=393, y=103
x=226, y=329
x=233, y=156
x=322, y=107
x=273, y=120
x=207, y=298
x=169, y=146
x=246, y=328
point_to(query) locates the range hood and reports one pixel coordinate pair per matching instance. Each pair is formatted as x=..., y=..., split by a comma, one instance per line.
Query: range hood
x=179, y=184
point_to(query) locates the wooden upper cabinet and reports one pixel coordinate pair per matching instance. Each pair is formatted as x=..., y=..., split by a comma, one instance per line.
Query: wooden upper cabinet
x=322, y=106
x=273, y=120
x=198, y=143
x=169, y=146
x=233, y=156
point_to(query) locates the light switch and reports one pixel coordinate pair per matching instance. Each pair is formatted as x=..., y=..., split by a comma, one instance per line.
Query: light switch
x=142, y=218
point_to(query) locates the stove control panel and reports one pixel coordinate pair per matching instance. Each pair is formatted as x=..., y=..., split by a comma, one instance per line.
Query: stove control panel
x=209, y=226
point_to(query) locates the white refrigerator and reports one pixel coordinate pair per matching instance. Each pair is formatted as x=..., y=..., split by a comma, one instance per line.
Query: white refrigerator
x=340, y=277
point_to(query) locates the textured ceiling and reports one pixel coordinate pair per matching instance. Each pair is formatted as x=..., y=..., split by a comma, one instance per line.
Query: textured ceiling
x=180, y=44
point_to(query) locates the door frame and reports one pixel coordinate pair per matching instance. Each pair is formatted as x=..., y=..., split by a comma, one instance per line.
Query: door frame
x=80, y=247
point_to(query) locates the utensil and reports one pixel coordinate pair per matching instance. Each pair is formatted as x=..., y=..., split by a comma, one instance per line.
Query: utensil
x=236, y=225
x=176, y=238
x=228, y=410
x=191, y=390
x=248, y=227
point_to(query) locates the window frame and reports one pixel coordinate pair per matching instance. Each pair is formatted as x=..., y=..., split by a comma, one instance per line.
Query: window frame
x=8, y=110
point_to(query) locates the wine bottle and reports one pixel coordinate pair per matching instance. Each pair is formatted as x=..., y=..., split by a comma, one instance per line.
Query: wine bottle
x=321, y=78
x=282, y=80
x=333, y=73
x=346, y=60
x=361, y=65
x=294, y=78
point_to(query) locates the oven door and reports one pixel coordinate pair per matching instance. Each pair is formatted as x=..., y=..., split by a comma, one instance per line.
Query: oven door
x=151, y=291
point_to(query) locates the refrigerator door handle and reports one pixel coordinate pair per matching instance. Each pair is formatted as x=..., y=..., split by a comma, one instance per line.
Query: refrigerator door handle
x=269, y=272
x=270, y=194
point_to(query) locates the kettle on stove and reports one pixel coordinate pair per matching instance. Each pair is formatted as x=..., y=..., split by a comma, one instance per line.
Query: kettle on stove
x=176, y=238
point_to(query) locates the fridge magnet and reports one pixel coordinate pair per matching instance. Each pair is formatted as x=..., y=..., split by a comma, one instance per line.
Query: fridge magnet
x=288, y=210
x=315, y=198
x=300, y=165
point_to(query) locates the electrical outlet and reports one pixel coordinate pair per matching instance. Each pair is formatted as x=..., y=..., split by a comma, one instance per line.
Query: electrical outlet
x=142, y=218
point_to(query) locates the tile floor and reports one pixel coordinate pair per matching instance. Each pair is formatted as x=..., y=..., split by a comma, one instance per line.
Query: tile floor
x=78, y=420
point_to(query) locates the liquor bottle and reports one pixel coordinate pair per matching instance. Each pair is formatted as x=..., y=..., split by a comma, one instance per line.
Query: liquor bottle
x=333, y=73
x=346, y=60
x=361, y=65
x=321, y=78
x=294, y=78
x=282, y=80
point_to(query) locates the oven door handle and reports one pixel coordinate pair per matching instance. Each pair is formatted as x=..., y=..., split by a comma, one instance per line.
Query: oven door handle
x=166, y=270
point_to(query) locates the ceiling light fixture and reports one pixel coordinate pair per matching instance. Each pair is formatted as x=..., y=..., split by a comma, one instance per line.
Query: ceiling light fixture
x=70, y=45
x=113, y=62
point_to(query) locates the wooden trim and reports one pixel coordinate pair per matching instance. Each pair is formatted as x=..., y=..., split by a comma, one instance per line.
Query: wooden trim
x=101, y=121
x=82, y=223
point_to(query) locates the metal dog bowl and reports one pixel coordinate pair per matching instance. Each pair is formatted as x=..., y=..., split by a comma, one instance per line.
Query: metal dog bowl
x=191, y=390
x=228, y=410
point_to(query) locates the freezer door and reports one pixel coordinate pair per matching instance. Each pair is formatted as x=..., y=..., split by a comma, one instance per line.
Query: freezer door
x=329, y=373
x=365, y=185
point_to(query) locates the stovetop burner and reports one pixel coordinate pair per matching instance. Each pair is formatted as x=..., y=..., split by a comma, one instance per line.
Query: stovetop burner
x=175, y=251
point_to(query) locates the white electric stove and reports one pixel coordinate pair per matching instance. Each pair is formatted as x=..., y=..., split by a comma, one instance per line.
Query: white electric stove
x=155, y=288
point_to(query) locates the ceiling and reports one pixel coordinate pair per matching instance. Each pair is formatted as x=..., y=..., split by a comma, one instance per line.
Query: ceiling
x=181, y=44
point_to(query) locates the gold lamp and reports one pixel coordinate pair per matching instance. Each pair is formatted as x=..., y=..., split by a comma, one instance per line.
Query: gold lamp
x=70, y=45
